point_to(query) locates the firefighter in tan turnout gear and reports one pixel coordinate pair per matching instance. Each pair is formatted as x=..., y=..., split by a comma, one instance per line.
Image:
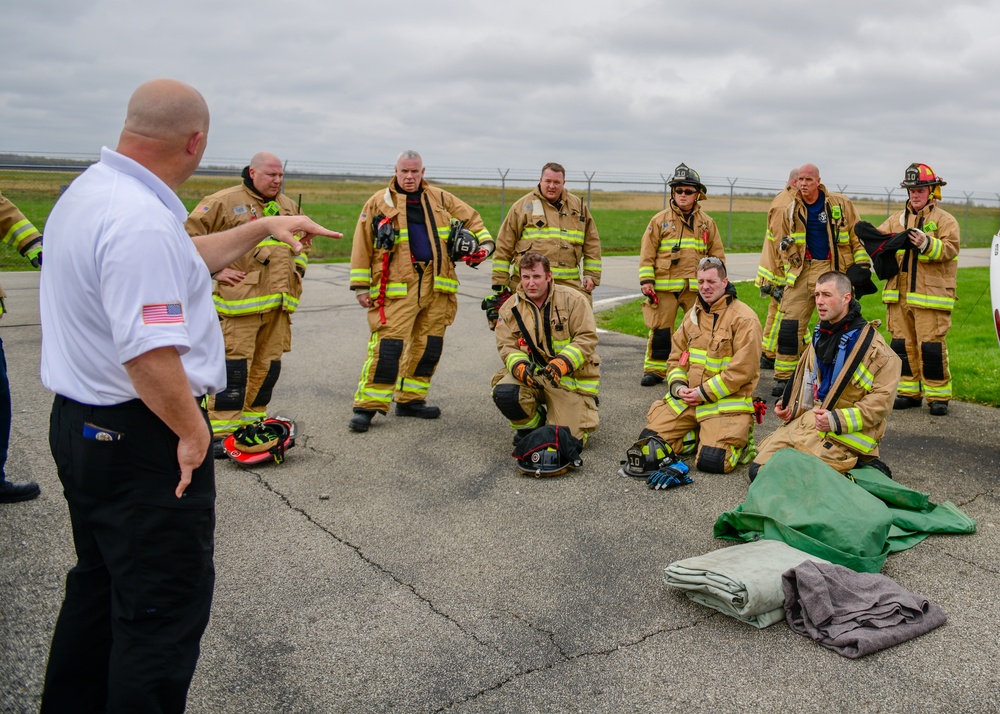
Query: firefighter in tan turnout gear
x=712, y=371
x=555, y=223
x=547, y=337
x=255, y=296
x=19, y=233
x=816, y=235
x=675, y=240
x=770, y=271
x=843, y=387
x=920, y=298
x=406, y=244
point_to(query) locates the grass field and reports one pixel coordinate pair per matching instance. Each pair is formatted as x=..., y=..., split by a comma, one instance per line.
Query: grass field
x=621, y=217
x=973, y=353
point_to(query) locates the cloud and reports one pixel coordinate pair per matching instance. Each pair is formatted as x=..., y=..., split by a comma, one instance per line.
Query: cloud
x=734, y=89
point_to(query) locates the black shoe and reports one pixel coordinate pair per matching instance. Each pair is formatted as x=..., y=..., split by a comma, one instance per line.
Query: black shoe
x=417, y=409
x=218, y=450
x=14, y=492
x=879, y=464
x=766, y=362
x=939, y=408
x=779, y=387
x=650, y=380
x=361, y=420
x=908, y=403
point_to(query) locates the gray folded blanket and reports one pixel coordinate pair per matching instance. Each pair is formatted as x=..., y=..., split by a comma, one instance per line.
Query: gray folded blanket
x=742, y=581
x=854, y=614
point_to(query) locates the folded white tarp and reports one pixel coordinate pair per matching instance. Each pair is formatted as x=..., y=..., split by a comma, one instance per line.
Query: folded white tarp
x=742, y=581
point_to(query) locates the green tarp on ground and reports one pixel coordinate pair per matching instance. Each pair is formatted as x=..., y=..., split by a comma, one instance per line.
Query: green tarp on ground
x=855, y=521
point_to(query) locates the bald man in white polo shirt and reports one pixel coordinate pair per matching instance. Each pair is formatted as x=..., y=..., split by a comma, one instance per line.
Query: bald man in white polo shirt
x=130, y=342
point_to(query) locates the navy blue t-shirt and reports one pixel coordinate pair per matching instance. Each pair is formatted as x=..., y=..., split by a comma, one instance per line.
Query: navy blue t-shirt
x=420, y=241
x=817, y=240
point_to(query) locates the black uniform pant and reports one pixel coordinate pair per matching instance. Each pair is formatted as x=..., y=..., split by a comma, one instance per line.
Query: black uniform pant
x=137, y=601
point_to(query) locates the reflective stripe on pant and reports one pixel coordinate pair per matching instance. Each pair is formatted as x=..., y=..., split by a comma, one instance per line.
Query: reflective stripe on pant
x=801, y=434
x=260, y=339
x=729, y=433
x=770, y=341
x=576, y=411
x=923, y=332
x=403, y=353
x=660, y=317
x=796, y=310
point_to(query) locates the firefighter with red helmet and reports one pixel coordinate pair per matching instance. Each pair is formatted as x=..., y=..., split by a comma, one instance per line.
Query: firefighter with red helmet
x=920, y=298
x=675, y=240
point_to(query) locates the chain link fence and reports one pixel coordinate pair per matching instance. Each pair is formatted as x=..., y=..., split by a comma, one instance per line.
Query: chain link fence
x=34, y=184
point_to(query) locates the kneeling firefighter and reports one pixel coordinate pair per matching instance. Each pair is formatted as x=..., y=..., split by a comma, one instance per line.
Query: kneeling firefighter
x=712, y=371
x=547, y=337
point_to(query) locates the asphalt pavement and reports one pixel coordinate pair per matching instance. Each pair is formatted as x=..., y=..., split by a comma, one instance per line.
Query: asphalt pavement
x=412, y=569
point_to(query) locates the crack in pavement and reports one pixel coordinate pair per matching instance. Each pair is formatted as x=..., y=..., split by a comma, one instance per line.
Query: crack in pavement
x=974, y=564
x=991, y=492
x=377, y=566
x=563, y=657
x=566, y=658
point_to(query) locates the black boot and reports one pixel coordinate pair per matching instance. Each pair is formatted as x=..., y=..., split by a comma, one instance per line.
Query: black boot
x=417, y=409
x=14, y=492
x=903, y=402
x=650, y=380
x=939, y=408
x=361, y=420
x=779, y=387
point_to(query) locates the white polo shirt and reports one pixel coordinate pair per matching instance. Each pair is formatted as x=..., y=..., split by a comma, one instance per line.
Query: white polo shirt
x=121, y=278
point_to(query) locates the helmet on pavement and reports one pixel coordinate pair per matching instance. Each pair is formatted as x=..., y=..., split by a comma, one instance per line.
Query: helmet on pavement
x=262, y=441
x=919, y=175
x=647, y=455
x=549, y=450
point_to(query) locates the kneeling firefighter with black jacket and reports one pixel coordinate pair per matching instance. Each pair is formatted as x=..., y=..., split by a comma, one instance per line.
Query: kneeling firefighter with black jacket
x=836, y=404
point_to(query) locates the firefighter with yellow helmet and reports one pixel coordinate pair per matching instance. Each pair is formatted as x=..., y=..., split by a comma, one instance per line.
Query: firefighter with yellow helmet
x=255, y=296
x=676, y=239
x=920, y=298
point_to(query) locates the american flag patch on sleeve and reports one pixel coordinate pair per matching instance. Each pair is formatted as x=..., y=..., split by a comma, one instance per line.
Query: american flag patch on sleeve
x=163, y=313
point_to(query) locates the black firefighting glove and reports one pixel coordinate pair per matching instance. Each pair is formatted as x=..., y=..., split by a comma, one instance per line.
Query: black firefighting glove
x=492, y=302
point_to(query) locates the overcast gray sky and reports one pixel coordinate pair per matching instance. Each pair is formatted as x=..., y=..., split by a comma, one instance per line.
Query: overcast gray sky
x=732, y=88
